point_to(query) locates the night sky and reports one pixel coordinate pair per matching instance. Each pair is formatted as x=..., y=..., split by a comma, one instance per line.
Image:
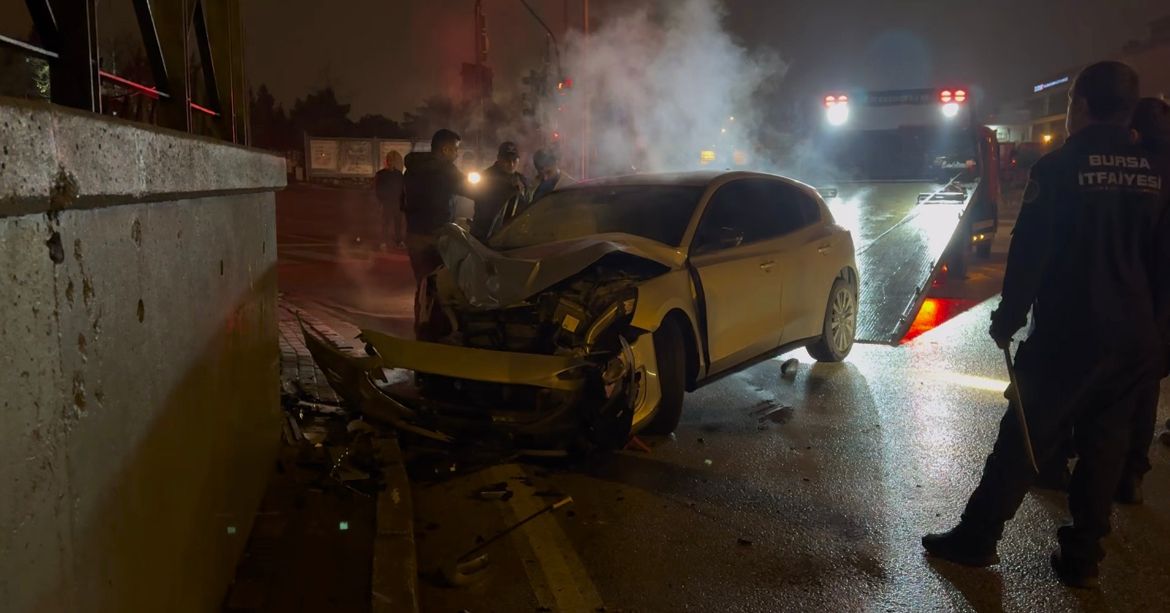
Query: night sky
x=385, y=56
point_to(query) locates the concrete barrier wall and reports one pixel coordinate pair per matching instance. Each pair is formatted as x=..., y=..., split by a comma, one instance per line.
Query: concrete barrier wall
x=138, y=361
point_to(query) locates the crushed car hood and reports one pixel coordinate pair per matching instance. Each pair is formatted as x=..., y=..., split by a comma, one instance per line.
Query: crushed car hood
x=490, y=280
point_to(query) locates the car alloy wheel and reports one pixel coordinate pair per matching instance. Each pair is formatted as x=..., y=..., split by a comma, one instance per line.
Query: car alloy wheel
x=843, y=319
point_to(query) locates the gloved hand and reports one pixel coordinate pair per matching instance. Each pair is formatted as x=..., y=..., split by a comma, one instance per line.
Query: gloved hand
x=1000, y=332
x=1002, y=340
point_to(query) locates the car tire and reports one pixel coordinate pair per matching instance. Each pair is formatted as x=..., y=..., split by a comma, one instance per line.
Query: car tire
x=840, y=325
x=670, y=353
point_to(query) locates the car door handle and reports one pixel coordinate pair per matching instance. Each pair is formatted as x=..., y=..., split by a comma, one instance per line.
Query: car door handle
x=825, y=248
x=767, y=266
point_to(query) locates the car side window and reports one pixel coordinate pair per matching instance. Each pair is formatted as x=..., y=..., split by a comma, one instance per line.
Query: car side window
x=753, y=210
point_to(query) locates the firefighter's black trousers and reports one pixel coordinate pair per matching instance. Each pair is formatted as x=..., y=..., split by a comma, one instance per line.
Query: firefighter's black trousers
x=1098, y=403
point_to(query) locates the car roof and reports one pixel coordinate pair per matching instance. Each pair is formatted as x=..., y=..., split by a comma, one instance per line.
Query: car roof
x=699, y=178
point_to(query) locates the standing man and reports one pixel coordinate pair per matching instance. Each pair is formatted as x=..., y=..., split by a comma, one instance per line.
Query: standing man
x=501, y=188
x=1151, y=124
x=548, y=173
x=431, y=183
x=388, y=189
x=1082, y=259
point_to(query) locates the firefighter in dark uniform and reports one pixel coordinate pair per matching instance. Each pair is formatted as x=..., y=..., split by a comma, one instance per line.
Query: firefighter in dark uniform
x=1151, y=125
x=1082, y=258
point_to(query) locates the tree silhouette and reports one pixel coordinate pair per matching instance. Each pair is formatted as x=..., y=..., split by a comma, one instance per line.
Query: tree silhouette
x=320, y=114
x=271, y=127
x=378, y=126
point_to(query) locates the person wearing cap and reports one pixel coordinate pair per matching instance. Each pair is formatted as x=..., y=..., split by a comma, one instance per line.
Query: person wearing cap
x=549, y=176
x=501, y=188
x=1083, y=261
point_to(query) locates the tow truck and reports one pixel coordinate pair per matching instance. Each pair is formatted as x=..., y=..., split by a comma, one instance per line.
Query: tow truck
x=916, y=180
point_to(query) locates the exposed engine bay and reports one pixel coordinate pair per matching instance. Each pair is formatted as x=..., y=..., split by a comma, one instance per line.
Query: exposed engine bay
x=586, y=316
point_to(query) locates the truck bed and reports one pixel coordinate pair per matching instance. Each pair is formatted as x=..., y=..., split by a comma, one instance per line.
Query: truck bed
x=900, y=245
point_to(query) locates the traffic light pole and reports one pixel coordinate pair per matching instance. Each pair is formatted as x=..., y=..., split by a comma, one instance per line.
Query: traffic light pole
x=585, y=101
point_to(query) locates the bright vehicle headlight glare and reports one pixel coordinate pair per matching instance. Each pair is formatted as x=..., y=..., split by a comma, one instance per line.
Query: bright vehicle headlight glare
x=474, y=177
x=837, y=114
x=950, y=109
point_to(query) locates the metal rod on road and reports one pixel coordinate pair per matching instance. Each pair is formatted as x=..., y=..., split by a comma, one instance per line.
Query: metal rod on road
x=506, y=531
x=1019, y=406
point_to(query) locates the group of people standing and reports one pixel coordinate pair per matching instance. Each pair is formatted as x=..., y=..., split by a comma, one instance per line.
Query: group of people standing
x=1090, y=259
x=417, y=194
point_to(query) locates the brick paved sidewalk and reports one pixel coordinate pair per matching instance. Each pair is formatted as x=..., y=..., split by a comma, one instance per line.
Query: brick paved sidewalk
x=299, y=376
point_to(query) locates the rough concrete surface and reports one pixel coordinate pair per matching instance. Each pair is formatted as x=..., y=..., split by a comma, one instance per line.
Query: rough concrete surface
x=53, y=158
x=138, y=364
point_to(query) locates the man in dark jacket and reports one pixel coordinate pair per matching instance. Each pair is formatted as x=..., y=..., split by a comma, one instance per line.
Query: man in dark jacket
x=1151, y=124
x=431, y=183
x=388, y=190
x=1082, y=259
x=549, y=175
x=501, y=187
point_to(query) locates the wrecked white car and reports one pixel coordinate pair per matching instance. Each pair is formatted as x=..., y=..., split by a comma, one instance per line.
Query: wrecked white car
x=588, y=316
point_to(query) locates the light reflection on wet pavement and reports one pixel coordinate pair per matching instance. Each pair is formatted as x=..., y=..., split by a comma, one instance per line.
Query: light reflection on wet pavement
x=877, y=451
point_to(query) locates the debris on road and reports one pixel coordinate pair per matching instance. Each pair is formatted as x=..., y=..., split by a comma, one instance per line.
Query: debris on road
x=708, y=462
x=789, y=368
x=495, y=491
x=460, y=571
x=744, y=542
x=780, y=414
x=636, y=444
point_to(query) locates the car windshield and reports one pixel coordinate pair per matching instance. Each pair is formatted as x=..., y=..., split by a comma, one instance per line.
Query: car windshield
x=656, y=212
x=909, y=153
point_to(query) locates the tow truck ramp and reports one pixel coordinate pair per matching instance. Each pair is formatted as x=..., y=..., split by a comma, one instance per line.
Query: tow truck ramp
x=898, y=266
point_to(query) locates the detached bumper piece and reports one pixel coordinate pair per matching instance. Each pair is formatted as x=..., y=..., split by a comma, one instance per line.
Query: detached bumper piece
x=463, y=396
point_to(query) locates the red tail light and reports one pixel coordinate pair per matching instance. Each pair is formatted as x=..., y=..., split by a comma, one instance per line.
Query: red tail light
x=833, y=99
x=945, y=96
x=960, y=95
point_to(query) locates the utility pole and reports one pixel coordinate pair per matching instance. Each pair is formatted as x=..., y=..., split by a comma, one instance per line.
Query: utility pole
x=585, y=101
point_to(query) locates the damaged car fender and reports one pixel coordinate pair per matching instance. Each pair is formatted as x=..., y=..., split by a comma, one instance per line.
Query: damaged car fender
x=662, y=295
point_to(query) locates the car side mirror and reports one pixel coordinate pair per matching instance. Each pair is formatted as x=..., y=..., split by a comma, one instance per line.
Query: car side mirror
x=726, y=238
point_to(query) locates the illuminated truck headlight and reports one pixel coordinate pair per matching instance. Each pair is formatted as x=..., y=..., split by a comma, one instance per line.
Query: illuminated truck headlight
x=837, y=109
x=837, y=114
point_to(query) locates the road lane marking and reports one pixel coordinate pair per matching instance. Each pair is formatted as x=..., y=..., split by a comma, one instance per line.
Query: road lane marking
x=971, y=381
x=558, y=577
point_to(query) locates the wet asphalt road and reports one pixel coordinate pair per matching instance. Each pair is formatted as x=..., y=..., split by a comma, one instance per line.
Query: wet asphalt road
x=833, y=499
x=821, y=505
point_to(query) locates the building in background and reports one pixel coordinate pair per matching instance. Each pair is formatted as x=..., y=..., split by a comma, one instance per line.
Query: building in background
x=1038, y=117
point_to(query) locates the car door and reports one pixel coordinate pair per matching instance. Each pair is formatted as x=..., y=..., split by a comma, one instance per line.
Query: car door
x=807, y=247
x=735, y=255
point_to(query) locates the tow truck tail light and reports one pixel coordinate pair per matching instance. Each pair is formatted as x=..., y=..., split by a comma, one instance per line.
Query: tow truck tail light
x=948, y=96
x=835, y=99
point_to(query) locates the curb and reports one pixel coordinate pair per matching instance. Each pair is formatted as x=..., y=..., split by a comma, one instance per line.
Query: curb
x=394, y=576
x=394, y=583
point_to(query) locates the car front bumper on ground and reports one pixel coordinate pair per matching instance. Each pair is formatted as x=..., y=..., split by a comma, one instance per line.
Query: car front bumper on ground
x=380, y=385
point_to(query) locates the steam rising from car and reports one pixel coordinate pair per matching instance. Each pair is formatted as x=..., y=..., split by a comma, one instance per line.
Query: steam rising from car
x=662, y=84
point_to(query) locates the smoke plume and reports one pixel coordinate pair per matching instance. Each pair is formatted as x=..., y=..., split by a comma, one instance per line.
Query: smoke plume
x=660, y=85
